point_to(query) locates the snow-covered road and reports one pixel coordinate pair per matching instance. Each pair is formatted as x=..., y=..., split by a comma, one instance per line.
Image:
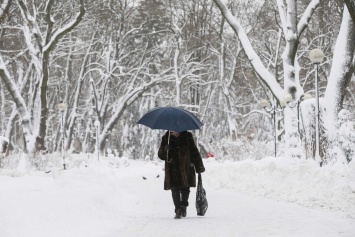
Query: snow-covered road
x=102, y=202
x=233, y=214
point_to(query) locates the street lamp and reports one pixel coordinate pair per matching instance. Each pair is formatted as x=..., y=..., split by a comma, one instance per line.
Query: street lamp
x=62, y=107
x=272, y=109
x=316, y=56
x=97, y=125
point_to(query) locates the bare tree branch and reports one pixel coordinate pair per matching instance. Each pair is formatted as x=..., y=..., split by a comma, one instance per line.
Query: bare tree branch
x=4, y=8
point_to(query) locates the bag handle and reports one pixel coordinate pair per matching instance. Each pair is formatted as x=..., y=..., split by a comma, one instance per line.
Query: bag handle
x=200, y=178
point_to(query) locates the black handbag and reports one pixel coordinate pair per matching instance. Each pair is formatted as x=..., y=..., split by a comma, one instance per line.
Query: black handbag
x=201, y=200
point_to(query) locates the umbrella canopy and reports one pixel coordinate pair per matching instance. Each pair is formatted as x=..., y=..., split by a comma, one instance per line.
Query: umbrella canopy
x=170, y=118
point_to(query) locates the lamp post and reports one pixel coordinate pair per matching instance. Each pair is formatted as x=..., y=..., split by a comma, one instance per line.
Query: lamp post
x=272, y=109
x=113, y=137
x=316, y=56
x=288, y=99
x=97, y=124
x=62, y=107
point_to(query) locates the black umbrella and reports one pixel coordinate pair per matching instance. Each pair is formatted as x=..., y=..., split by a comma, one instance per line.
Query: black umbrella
x=170, y=118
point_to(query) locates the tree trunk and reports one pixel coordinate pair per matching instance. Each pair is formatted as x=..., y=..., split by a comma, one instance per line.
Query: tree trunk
x=291, y=29
x=21, y=106
x=341, y=72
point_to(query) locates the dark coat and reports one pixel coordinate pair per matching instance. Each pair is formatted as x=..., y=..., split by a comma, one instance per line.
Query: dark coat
x=183, y=159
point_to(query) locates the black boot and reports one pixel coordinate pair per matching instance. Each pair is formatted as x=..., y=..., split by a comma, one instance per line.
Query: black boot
x=177, y=213
x=184, y=205
x=183, y=211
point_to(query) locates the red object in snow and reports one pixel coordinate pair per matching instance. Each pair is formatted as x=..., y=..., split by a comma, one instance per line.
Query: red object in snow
x=209, y=155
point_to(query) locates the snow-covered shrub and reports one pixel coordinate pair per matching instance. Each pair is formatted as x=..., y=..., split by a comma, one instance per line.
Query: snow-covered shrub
x=11, y=161
x=112, y=159
x=242, y=149
x=344, y=138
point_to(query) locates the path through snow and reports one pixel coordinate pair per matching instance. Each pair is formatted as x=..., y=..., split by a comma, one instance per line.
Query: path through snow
x=102, y=202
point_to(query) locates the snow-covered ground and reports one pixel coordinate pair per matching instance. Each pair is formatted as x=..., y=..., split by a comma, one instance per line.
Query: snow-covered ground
x=270, y=197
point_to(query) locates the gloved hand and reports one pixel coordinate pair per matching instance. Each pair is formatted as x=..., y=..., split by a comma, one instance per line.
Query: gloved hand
x=169, y=147
x=200, y=169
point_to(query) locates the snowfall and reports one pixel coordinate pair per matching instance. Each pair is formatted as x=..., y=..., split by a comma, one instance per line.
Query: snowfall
x=109, y=198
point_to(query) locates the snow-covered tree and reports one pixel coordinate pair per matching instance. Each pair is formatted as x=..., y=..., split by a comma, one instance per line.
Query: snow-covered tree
x=40, y=43
x=126, y=57
x=341, y=72
x=293, y=27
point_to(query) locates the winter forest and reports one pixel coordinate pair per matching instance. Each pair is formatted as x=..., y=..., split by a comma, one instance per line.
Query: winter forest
x=66, y=64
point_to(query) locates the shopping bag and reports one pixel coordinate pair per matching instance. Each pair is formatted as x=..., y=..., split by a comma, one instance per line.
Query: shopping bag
x=201, y=200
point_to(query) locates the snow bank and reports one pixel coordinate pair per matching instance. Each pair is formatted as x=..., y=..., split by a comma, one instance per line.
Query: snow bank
x=331, y=187
x=102, y=200
x=120, y=197
x=292, y=180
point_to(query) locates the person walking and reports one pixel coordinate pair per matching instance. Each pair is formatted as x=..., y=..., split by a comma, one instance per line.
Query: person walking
x=182, y=160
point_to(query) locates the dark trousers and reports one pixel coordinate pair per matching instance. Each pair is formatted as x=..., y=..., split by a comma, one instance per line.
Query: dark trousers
x=180, y=197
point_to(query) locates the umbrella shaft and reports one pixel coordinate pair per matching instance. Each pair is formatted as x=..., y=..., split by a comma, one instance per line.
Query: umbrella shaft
x=167, y=151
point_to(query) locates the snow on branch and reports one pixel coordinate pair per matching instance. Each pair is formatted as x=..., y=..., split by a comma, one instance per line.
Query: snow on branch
x=30, y=29
x=282, y=12
x=49, y=19
x=303, y=23
x=254, y=59
x=13, y=89
x=129, y=98
x=20, y=104
x=65, y=29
